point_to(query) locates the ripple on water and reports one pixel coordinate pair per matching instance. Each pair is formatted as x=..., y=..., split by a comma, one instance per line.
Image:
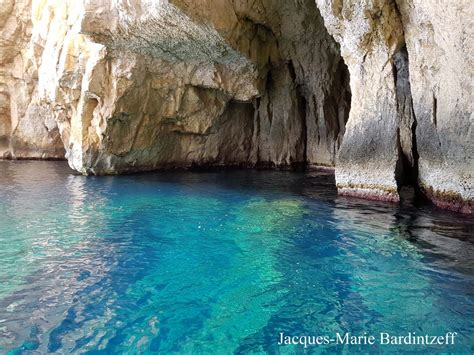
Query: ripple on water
x=219, y=262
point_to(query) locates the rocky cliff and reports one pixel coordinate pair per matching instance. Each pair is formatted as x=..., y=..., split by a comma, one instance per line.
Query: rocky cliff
x=403, y=56
x=379, y=89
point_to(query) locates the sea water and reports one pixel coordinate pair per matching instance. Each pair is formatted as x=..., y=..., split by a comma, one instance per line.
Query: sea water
x=223, y=262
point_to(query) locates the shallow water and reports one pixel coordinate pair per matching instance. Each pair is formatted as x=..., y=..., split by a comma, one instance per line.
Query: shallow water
x=221, y=262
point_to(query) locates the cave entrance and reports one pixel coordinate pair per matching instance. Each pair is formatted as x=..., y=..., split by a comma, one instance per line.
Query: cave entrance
x=300, y=116
x=289, y=112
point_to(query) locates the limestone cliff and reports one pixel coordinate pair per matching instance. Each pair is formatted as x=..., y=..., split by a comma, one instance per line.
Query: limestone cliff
x=117, y=86
x=439, y=39
x=370, y=34
x=27, y=127
x=147, y=84
x=411, y=71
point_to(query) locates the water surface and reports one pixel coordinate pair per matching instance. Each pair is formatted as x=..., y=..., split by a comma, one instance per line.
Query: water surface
x=221, y=262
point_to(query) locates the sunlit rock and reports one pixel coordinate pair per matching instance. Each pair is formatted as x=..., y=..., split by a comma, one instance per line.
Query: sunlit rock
x=125, y=86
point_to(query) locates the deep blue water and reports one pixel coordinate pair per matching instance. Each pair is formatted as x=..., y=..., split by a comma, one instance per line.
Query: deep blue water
x=221, y=262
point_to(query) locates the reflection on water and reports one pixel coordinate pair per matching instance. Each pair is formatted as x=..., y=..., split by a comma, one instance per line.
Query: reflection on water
x=220, y=262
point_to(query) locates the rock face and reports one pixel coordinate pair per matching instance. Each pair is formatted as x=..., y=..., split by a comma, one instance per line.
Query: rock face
x=27, y=127
x=439, y=39
x=304, y=97
x=139, y=85
x=411, y=71
x=370, y=35
x=129, y=85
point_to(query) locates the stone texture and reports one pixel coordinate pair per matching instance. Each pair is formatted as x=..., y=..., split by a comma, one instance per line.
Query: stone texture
x=129, y=85
x=370, y=33
x=139, y=85
x=27, y=128
x=304, y=95
x=159, y=93
x=282, y=74
x=411, y=70
x=439, y=39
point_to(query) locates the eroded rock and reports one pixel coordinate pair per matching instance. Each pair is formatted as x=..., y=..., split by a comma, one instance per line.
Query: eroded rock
x=27, y=127
x=370, y=33
x=133, y=85
x=411, y=72
x=440, y=44
x=140, y=85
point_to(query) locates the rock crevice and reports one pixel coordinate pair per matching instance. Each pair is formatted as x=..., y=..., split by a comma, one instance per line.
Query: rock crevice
x=410, y=122
x=407, y=166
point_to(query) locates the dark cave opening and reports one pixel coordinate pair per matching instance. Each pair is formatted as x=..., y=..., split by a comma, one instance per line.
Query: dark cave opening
x=305, y=97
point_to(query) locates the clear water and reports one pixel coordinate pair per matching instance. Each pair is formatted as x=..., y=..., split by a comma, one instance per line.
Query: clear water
x=221, y=262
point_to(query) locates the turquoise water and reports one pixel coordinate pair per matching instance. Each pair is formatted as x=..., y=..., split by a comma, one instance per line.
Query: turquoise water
x=221, y=262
